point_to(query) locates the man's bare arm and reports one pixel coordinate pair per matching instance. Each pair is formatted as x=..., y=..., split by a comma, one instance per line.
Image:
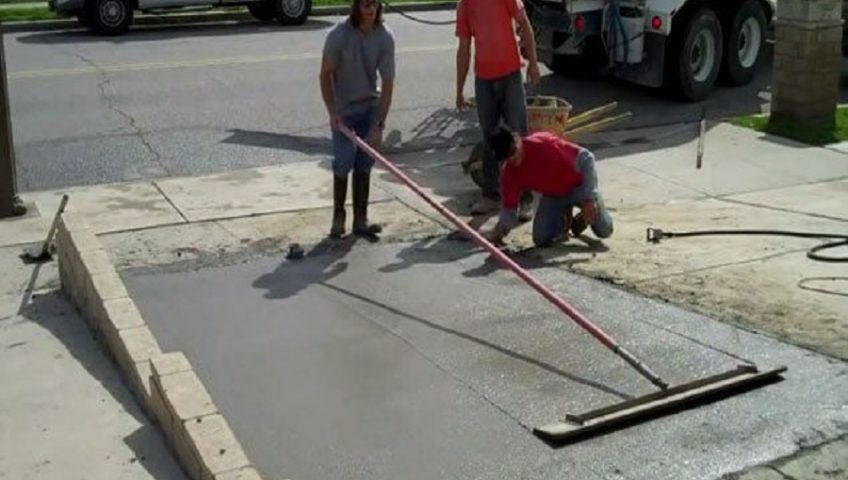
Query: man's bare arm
x=388, y=87
x=463, y=61
x=327, y=91
x=529, y=42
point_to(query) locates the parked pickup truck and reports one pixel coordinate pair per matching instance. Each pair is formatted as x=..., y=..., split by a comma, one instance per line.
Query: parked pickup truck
x=113, y=17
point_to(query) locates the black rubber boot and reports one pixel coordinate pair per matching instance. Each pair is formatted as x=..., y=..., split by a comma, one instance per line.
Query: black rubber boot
x=361, y=227
x=339, y=215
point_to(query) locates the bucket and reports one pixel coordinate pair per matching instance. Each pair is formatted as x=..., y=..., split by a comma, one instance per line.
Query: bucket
x=545, y=113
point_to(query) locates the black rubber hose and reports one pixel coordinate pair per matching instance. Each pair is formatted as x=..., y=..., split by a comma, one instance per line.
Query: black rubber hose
x=813, y=253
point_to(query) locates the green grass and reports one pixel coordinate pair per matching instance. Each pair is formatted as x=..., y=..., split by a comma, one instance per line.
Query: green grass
x=26, y=14
x=810, y=134
x=12, y=13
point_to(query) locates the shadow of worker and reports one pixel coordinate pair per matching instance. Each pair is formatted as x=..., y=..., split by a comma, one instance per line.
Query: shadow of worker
x=322, y=263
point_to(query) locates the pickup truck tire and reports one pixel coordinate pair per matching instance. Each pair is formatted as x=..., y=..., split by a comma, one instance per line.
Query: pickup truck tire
x=264, y=11
x=293, y=12
x=744, y=41
x=82, y=18
x=109, y=17
x=695, y=54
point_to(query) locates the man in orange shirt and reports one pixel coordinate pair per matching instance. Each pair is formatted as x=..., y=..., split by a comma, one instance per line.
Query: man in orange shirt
x=498, y=85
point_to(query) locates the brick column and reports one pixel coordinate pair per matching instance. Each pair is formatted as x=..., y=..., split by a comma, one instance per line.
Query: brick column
x=807, y=56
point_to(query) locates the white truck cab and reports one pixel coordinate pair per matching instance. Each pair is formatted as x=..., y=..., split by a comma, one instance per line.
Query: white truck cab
x=113, y=17
x=684, y=45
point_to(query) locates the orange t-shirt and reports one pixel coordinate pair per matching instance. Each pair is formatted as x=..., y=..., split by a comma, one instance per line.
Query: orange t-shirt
x=492, y=24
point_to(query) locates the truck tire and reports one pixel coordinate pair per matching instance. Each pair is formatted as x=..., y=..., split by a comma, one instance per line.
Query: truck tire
x=82, y=18
x=265, y=10
x=109, y=17
x=293, y=12
x=744, y=41
x=694, y=56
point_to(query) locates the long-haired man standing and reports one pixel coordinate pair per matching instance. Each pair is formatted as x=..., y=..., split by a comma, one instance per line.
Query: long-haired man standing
x=356, y=52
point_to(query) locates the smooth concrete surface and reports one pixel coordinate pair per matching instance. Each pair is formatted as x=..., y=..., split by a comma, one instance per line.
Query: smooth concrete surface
x=403, y=362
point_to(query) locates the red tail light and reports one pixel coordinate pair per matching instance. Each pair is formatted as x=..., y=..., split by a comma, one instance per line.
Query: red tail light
x=656, y=23
x=580, y=23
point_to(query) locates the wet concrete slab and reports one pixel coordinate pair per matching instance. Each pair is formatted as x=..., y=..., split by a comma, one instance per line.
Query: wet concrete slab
x=424, y=361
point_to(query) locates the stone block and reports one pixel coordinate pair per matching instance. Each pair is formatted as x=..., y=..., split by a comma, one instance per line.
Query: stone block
x=96, y=261
x=185, y=396
x=159, y=410
x=141, y=383
x=186, y=454
x=119, y=314
x=241, y=474
x=108, y=286
x=169, y=364
x=831, y=34
x=809, y=11
x=215, y=445
x=133, y=345
x=72, y=221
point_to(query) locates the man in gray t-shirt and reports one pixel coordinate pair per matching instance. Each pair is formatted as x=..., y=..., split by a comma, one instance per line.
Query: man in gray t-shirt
x=356, y=52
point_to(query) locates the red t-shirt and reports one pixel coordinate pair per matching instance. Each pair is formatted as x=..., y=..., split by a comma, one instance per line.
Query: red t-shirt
x=549, y=167
x=492, y=24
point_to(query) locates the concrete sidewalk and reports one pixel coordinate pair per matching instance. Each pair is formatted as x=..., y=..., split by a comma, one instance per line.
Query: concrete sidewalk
x=747, y=181
x=64, y=410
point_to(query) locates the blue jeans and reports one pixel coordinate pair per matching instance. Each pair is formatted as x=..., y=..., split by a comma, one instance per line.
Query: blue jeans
x=548, y=224
x=503, y=98
x=346, y=156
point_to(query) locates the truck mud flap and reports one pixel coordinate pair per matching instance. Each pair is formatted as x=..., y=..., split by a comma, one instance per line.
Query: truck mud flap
x=650, y=71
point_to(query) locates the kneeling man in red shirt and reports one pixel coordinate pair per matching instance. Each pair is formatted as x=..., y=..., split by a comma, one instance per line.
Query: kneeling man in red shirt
x=562, y=172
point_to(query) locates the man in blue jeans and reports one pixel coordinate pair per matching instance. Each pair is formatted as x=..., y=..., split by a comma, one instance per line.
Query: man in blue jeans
x=498, y=84
x=355, y=52
x=564, y=173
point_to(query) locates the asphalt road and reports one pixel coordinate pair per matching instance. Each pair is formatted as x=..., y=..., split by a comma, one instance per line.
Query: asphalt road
x=424, y=361
x=179, y=100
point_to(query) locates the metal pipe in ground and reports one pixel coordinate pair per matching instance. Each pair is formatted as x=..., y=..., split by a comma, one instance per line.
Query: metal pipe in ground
x=507, y=262
x=10, y=204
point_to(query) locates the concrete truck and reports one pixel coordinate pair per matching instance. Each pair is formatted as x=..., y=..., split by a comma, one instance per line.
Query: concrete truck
x=682, y=45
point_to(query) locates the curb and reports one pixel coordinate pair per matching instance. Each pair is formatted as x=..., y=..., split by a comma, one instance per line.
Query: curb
x=164, y=384
x=241, y=18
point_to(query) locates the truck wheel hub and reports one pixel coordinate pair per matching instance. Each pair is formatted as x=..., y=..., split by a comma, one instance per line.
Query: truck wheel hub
x=293, y=8
x=111, y=12
x=750, y=38
x=702, y=56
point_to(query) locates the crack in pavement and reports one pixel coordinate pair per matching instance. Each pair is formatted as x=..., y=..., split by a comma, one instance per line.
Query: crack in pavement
x=131, y=121
x=782, y=474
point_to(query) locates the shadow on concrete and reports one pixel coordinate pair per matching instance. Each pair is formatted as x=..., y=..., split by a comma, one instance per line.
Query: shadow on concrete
x=456, y=247
x=479, y=341
x=325, y=258
x=141, y=442
x=53, y=312
x=444, y=128
x=143, y=33
x=282, y=141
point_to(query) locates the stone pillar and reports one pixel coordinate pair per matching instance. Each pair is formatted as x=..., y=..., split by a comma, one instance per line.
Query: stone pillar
x=807, y=57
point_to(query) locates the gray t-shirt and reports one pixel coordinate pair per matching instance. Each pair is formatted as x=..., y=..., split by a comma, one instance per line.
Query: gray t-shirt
x=357, y=58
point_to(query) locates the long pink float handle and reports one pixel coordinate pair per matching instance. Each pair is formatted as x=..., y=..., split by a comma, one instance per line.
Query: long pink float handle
x=507, y=262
